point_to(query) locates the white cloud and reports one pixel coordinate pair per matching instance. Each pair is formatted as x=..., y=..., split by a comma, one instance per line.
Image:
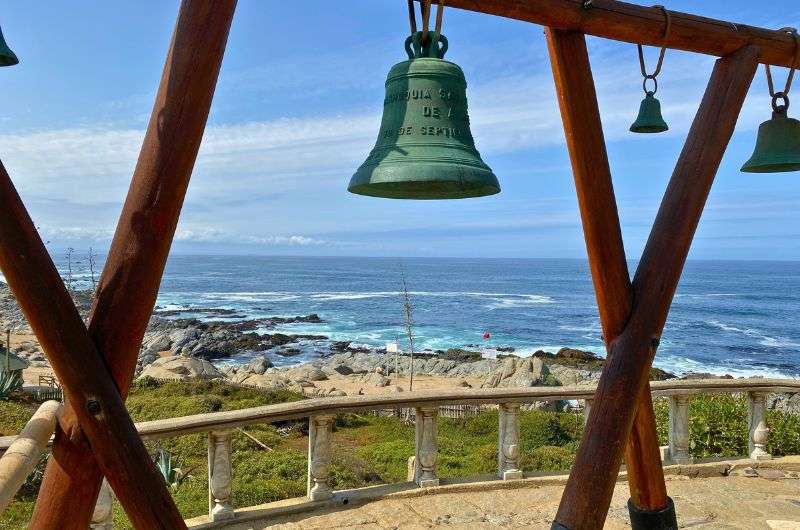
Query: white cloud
x=243, y=162
x=214, y=235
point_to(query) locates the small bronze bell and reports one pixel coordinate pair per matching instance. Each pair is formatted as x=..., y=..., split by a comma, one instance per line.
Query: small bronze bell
x=649, y=119
x=778, y=145
x=425, y=148
x=7, y=57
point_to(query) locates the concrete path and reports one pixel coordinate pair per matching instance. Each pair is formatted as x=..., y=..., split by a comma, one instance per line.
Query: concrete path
x=771, y=500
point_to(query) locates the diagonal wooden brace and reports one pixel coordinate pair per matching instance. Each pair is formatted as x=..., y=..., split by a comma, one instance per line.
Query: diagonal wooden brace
x=88, y=386
x=587, y=496
x=593, y=184
x=129, y=284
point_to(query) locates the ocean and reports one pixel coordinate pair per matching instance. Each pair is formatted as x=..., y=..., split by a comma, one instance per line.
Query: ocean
x=738, y=318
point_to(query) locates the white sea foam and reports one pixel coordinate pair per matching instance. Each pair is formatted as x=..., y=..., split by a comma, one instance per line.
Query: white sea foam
x=682, y=365
x=704, y=295
x=763, y=339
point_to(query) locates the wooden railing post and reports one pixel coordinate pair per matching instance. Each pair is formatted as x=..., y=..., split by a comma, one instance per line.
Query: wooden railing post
x=220, y=476
x=679, y=429
x=320, y=429
x=508, y=442
x=757, y=425
x=427, y=447
x=103, y=515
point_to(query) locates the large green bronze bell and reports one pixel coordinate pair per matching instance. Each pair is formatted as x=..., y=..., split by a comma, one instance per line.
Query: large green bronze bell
x=7, y=57
x=777, y=146
x=425, y=148
x=649, y=119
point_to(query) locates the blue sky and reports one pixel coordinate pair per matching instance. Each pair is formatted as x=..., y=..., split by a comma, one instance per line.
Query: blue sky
x=297, y=109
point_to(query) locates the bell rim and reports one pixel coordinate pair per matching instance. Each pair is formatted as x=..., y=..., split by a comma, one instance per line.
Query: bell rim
x=414, y=193
x=8, y=59
x=649, y=129
x=406, y=180
x=785, y=165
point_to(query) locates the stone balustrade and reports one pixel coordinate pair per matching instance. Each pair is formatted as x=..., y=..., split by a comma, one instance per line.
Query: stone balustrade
x=322, y=412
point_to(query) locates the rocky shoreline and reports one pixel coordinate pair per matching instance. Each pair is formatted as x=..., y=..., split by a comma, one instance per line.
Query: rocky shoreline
x=178, y=346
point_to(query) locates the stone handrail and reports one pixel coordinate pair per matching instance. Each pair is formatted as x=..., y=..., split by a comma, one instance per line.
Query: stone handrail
x=322, y=411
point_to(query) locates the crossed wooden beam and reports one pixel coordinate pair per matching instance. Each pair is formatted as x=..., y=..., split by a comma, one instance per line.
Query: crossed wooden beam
x=633, y=314
x=96, y=436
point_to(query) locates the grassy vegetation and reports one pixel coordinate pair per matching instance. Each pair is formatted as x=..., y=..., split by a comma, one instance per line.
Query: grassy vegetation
x=371, y=450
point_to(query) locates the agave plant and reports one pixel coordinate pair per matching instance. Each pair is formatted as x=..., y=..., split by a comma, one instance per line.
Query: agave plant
x=10, y=382
x=173, y=476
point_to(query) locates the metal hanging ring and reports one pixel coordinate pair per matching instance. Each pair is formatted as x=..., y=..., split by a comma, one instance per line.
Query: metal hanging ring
x=655, y=84
x=792, y=69
x=780, y=109
x=659, y=64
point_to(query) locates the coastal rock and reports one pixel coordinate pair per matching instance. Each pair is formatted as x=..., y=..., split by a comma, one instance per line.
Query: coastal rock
x=462, y=356
x=577, y=355
x=785, y=402
x=177, y=367
x=515, y=373
x=259, y=366
x=343, y=369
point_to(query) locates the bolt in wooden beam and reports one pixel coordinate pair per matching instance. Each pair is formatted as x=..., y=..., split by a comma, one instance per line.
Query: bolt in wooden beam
x=584, y=504
x=593, y=184
x=48, y=307
x=128, y=287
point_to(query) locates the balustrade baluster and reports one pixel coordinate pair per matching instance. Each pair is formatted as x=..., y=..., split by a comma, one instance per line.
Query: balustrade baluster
x=103, y=515
x=679, y=429
x=757, y=425
x=320, y=429
x=587, y=408
x=219, y=476
x=427, y=447
x=508, y=442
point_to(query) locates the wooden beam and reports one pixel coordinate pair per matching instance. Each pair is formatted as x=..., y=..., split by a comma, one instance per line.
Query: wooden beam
x=129, y=284
x=584, y=504
x=48, y=308
x=577, y=100
x=639, y=24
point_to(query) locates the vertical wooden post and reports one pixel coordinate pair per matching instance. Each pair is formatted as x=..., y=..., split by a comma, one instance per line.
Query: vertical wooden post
x=129, y=284
x=48, y=308
x=587, y=495
x=584, y=132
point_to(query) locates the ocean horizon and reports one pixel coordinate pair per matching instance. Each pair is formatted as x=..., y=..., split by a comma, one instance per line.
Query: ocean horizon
x=728, y=317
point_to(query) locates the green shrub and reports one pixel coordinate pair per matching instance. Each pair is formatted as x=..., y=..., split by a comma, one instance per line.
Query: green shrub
x=548, y=458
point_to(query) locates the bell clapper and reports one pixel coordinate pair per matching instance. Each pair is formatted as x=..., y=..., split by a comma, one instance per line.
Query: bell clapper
x=778, y=143
x=649, y=119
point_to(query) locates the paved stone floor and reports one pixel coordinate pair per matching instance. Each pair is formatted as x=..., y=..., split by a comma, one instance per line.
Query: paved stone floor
x=739, y=502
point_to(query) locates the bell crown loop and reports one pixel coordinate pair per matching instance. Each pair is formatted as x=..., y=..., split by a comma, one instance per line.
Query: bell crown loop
x=435, y=46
